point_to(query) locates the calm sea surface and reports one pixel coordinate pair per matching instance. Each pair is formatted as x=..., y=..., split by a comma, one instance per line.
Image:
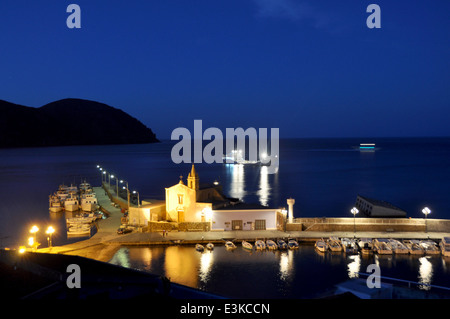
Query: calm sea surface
x=323, y=175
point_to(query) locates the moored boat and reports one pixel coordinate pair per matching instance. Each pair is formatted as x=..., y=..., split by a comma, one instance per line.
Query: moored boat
x=210, y=246
x=89, y=202
x=398, y=247
x=271, y=245
x=199, y=248
x=55, y=204
x=429, y=247
x=247, y=245
x=333, y=244
x=381, y=246
x=349, y=246
x=282, y=244
x=414, y=247
x=365, y=244
x=230, y=245
x=445, y=246
x=321, y=245
x=292, y=244
x=71, y=203
x=260, y=245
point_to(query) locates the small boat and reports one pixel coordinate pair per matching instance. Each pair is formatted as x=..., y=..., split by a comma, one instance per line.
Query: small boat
x=321, y=245
x=260, y=245
x=229, y=245
x=199, y=247
x=349, y=246
x=292, y=244
x=55, y=204
x=247, y=245
x=414, y=247
x=398, y=247
x=382, y=247
x=271, y=245
x=365, y=244
x=282, y=244
x=445, y=246
x=333, y=244
x=79, y=230
x=429, y=247
x=210, y=246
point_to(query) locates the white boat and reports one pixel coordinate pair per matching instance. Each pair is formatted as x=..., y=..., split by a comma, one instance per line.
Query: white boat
x=85, y=186
x=365, y=244
x=210, y=246
x=414, y=247
x=445, y=246
x=430, y=247
x=321, y=245
x=260, y=245
x=89, y=202
x=71, y=203
x=229, y=245
x=333, y=244
x=247, y=245
x=55, y=204
x=292, y=244
x=236, y=157
x=398, y=247
x=199, y=247
x=79, y=230
x=282, y=244
x=382, y=247
x=349, y=246
x=271, y=245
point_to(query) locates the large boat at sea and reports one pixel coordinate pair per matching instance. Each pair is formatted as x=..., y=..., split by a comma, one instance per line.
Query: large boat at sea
x=236, y=157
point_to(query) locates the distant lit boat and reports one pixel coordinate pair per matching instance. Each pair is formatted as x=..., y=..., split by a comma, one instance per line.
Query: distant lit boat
x=199, y=248
x=282, y=244
x=398, y=247
x=414, y=247
x=382, y=247
x=292, y=244
x=271, y=245
x=333, y=244
x=429, y=247
x=229, y=245
x=445, y=246
x=236, y=157
x=321, y=245
x=367, y=147
x=260, y=245
x=210, y=246
x=55, y=204
x=247, y=245
x=365, y=244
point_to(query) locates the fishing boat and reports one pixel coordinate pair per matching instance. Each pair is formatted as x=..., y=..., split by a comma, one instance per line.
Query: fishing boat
x=398, y=247
x=199, y=248
x=247, y=245
x=365, y=244
x=321, y=245
x=71, y=203
x=282, y=244
x=79, y=230
x=229, y=245
x=429, y=247
x=292, y=244
x=382, y=247
x=271, y=245
x=210, y=246
x=349, y=246
x=89, y=202
x=260, y=245
x=55, y=204
x=445, y=246
x=333, y=244
x=414, y=247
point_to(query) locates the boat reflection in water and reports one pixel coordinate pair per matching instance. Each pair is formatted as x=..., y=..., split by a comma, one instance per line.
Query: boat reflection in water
x=425, y=273
x=354, y=266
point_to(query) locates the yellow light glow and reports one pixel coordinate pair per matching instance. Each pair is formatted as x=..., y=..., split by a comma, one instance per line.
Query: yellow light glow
x=34, y=229
x=22, y=249
x=30, y=241
x=50, y=230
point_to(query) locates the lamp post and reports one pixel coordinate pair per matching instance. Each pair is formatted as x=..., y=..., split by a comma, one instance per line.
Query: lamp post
x=128, y=193
x=426, y=211
x=32, y=240
x=136, y=192
x=117, y=185
x=50, y=230
x=354, y=211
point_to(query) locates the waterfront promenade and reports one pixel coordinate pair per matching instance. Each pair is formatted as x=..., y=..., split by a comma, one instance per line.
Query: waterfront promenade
x=105, y=242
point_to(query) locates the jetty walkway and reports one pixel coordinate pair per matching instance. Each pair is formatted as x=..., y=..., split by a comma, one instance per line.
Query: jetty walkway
x=105, y=242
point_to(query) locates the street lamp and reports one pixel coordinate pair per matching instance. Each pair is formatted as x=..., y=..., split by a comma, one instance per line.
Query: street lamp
x=32, y=240
x=128, y=193
x=136, y=192
x=50, y=230
x=426, y=211
x=354, y=211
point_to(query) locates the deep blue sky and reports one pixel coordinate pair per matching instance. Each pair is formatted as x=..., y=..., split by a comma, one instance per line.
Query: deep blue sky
x=311, y=68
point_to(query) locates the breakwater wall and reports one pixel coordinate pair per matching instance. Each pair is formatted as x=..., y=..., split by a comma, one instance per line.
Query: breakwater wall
x=369, y=224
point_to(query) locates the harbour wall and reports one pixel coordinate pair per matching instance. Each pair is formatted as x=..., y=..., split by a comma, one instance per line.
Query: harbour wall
x=369, y=224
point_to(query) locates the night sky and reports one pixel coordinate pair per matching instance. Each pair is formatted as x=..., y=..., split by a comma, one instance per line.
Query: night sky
x=310, y=68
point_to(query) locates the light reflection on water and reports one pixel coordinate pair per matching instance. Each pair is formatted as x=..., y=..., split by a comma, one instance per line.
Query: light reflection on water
x=302, y=273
